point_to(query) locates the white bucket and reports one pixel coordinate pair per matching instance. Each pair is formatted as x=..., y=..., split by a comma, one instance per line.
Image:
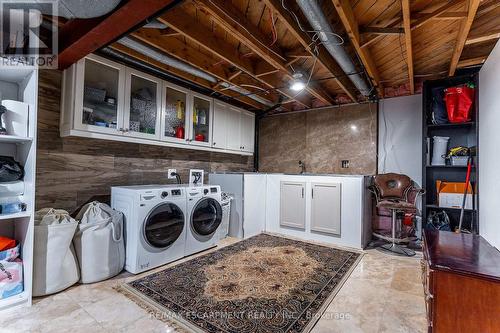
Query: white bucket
x=439, y=150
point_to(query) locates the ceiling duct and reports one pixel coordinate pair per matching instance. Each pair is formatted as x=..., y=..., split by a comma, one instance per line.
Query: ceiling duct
x=187, y=68
x=319, y=23
x=155, y=24
x=72, y=9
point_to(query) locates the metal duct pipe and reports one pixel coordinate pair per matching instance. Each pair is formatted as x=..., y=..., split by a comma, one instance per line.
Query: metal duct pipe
x=71, y=9
x=164, y=59
x=170, y=61
x=319, y=23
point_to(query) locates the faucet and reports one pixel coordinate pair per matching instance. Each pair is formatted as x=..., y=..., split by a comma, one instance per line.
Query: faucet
x=302, y=167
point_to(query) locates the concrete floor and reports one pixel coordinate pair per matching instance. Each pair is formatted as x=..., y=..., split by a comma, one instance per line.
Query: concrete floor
x=383, y=294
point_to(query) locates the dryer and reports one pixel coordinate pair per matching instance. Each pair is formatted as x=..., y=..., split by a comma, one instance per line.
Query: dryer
x=204, y=217
x=155, y=224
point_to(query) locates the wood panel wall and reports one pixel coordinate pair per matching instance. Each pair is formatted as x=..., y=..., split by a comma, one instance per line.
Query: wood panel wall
x=72, y=170
x=321, y=139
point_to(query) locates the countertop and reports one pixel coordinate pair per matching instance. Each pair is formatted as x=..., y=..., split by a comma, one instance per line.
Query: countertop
x=290, y=174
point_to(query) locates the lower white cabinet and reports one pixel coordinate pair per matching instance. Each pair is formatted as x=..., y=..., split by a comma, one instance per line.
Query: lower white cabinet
x=293, y=205
x=325, y=208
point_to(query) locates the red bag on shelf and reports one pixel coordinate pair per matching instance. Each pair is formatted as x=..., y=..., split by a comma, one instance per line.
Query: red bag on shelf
x=459, y=102
x=6, y=243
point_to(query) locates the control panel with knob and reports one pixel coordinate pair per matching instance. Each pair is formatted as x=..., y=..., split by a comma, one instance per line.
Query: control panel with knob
x=164, y=194
x=205, y=191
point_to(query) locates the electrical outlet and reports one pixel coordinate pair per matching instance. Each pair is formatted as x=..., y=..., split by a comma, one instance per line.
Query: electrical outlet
x=345, y=164
x=170, y=171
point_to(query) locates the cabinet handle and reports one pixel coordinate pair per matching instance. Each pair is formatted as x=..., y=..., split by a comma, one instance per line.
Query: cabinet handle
x=121, y=129
x=312, y=193
x=214, y=143
x=302, y=192
x=126, y=130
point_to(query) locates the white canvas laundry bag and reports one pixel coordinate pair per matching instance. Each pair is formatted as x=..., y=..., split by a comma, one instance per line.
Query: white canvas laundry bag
x=99, y=242
x=54, y=264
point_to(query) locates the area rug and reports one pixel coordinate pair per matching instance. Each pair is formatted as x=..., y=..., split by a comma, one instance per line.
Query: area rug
x=263, y=284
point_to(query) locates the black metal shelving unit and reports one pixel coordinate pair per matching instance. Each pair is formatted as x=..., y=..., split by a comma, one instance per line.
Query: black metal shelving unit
x=463, y=134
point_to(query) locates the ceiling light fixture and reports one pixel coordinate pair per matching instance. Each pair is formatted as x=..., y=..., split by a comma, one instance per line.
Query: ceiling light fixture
x=297, y=83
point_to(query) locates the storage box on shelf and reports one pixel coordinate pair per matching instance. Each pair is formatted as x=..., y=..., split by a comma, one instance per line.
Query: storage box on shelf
x=19, y=91
x=459, y=134
x=106, y=100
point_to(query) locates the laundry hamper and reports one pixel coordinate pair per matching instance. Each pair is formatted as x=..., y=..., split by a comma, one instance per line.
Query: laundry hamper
x=223, y=230
x=99, y=242
x=54, y=263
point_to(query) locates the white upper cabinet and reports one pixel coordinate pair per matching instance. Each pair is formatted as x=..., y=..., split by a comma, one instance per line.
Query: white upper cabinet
x=219, y=127
x=233, y=129
x=200, y=120
x=247, y=131
x=142, y=105
x=174, y=114
x=99, y=95
x=106, y=100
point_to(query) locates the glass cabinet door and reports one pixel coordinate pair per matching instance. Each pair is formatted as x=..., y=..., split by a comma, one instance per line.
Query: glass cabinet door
x=142, y=106
x=201, y=118
x=175, y=114
x=102, y=96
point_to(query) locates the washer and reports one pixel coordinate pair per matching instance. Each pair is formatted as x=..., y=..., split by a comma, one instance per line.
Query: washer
x=205, y=216
x=155, y=224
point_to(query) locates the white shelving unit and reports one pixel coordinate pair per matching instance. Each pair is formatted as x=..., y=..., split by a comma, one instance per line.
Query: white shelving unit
x=20, y=83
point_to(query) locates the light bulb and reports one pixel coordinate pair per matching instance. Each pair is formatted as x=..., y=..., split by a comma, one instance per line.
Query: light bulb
x=297, y=85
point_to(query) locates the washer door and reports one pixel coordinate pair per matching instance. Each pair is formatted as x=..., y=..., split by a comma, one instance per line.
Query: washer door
x=206, y=216
x=163, y=225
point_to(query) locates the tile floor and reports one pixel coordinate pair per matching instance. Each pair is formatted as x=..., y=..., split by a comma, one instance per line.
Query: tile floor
x=383, y=294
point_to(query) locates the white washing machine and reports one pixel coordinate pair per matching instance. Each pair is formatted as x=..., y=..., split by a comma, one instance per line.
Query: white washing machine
x=204, y=217
x=155, y=224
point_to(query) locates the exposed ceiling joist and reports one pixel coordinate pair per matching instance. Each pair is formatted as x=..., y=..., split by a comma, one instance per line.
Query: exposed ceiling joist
x=471, y=62
x=182, y=22
x=421, y=18
x=236, y=24
x=346, y=15
x=405, y=6
x=381, y=31
x=473, y=39
x=305, y=40
x=427, y=17
x=80, y=37
x=462, y=35
x=442, y=16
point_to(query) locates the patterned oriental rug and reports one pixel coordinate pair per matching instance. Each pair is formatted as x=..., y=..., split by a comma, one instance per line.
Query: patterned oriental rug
x=262, y=284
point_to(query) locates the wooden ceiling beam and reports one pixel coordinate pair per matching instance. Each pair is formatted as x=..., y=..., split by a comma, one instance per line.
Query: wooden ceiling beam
x=471, y=62
x=177, y=49
x=347, y=17
x=462, y=35
x=442, y=16
x=405, y=6
x=473, y=39
x=183, y=23
x=80, y=37
x=381, y=31
x=236, y=24
x=422, y=18
x=323, y=56
x=427, y=17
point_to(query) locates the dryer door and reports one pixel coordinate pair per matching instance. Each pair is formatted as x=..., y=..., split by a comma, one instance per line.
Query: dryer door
x=206, y=216
x=163, y=225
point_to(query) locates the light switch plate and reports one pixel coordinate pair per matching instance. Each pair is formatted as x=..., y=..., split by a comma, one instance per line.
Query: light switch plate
x=170, y=171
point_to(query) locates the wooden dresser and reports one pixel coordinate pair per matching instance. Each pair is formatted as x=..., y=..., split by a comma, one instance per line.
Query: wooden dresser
x=461, y=277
